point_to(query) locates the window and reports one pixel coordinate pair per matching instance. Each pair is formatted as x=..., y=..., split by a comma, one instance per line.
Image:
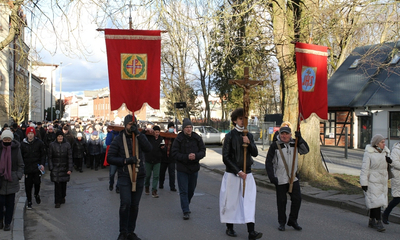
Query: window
x=355, y=63
x=330, y=125
x=394, y=124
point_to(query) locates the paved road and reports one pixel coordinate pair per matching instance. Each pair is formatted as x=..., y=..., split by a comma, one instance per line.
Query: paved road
x=91, y=212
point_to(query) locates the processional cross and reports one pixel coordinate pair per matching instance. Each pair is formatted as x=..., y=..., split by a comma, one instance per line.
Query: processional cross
x=246, y=84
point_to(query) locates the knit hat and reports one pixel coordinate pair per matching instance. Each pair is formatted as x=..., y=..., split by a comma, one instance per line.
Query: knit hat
x=7, y=134
x=171, y=124
x=376, y=139
x=156, y=128
x=79, y=135
x=186, y=122
x=30, y=129
x=129, y=118
x=95, y=133
x=59, y=132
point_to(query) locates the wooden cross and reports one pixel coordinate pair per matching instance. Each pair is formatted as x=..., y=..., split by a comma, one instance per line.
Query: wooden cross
x=246, y=84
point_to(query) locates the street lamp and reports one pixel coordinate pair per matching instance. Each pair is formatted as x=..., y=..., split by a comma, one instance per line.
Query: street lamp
x=60, y=86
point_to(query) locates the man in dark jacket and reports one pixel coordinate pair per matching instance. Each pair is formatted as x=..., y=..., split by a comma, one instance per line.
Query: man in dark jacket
x=41, y=132
x=130, y=197
x=33, y=153
x=153, y=161
x=79, y=151
x=168, y=162
x=188, y=149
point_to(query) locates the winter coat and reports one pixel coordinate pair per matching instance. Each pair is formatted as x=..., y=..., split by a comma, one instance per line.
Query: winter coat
x=33, y=154
x=103, y=137
x=17, y=169
x=182, y=146
x=395, y=167
x=79, y=149
x=94, y=146
x=156, y=155
x=274, y=165
x=233, y=155
x=116, y=153
x=60, y=161
x=49, y=138
x=110, y=137
x=374, y=174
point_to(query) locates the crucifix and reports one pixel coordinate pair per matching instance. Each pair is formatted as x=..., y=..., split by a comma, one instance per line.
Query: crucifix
x=246, y=84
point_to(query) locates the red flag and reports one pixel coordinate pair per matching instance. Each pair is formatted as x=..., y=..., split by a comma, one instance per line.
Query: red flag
x=134, y=67
x=312, y=79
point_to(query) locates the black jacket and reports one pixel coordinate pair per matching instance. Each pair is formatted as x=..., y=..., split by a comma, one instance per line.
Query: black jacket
x=60, y=161
x=116, y=153
x=155, y=156
x=233, y=152
x=182, y=146
x=49, y=138
x=17, y=169
x=79, y=148
x=33, y=154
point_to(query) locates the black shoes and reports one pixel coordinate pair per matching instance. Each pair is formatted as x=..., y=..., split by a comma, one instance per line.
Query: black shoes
x=122, y=236
x=7, y=227
x=186, y=216
x=1, y=225
x=161, y=187
x=173, y=189
x=254, y=235
x=117, y=189
x=110, y=187
x=58, y=205
x=281, y=227
x=385, y=219
x=230, y=232
x=132, y=236
x=37, y=198
x=29, y=207
x=295, y=225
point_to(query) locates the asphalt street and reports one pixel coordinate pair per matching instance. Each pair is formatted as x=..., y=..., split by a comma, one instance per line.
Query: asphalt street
x=91, y=212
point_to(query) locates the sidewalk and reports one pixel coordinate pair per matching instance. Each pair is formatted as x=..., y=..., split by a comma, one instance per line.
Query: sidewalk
x=334, y=158
x=336, y=164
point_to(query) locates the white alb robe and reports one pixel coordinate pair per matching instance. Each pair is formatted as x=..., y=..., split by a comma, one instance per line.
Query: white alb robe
x=233, y=207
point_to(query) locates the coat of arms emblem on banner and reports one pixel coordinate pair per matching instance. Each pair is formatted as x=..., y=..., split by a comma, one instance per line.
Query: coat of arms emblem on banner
x=133, y=66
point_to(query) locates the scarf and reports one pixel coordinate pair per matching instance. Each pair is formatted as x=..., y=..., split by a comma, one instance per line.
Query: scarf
x=5, y=163
x=239, y=129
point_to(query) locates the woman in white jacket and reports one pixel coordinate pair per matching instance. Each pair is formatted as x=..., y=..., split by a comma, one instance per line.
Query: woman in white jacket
x=374, y=178
x=395, y=182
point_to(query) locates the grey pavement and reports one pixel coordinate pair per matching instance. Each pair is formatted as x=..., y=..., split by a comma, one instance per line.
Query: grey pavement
x=334, y=158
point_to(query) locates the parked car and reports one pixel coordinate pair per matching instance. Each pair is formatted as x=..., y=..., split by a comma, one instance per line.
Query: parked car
x=255, y=130
x=209, y=134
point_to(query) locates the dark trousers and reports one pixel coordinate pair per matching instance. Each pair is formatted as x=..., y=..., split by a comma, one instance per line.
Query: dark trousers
x=129, y=203
x=187, y=184
x=171, y=174
x=60, y=191
x=375, y=213
x=250, y=226
x=78, y=163
x=281, y=200
x=8, y=202
x=113, y=171
x=392, y=204
x=32, y=180
x=94, y=161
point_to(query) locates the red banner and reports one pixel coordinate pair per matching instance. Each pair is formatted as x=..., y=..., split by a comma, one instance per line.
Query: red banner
x=312, y=77
x=134, y=66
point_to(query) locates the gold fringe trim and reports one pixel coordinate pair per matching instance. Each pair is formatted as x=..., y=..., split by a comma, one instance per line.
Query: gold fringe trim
x=132, y=37
x=315, y=52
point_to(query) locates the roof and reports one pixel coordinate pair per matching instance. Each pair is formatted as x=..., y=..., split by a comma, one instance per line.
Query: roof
x=373, y=82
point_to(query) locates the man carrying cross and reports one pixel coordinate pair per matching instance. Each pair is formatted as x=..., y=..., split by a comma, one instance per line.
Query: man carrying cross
x=238, y=188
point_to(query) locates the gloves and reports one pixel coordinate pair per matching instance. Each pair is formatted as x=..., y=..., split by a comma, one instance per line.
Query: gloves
x=131, y=160
x=365, y=188
x=388, y=160
x=297, y=134
x=274, y=181
x=134, y=129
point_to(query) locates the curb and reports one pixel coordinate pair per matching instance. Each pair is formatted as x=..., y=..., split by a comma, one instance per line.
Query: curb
x=346, y=205
x=19, y=212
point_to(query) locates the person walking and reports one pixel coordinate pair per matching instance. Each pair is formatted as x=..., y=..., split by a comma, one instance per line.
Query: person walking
x=188, y=149
x=113, y=168
x=60, y=166
x=153, y=161
x=233, y=207
x=121, y=154
x=168, y=162
x=374, y=179
x=394, y=162
x=34, y=156
x=278, y=165
x=94, y=150
x=79, y=151
x=11, y=171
